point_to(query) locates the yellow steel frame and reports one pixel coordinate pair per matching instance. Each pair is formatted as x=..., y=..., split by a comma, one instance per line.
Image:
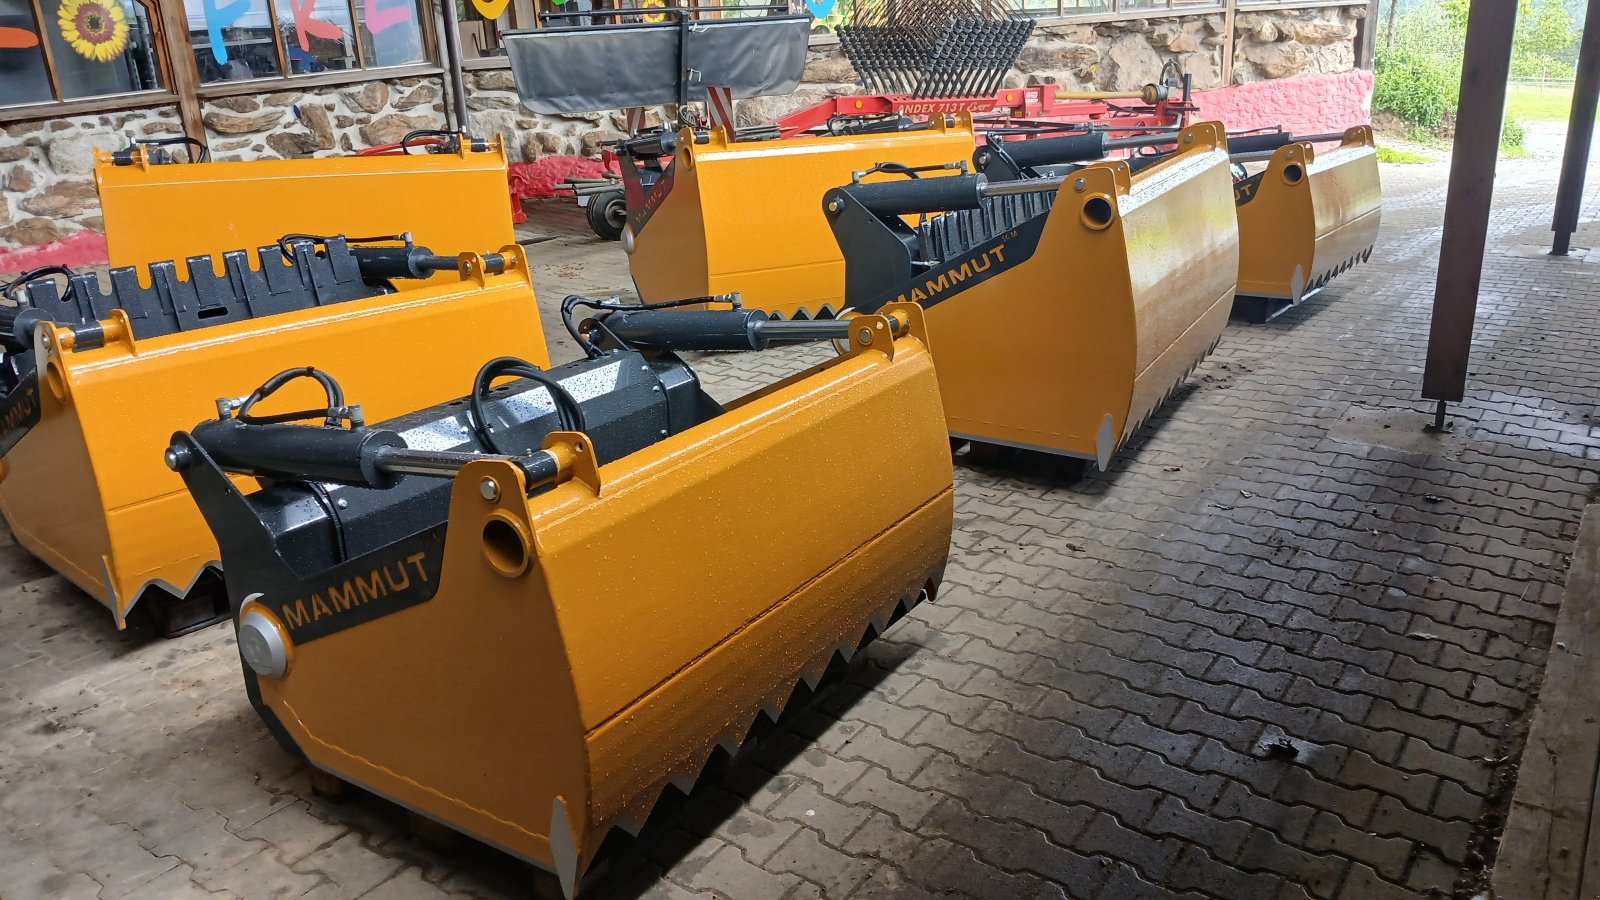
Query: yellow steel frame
x=644, y=645
x=747, y=216
x=1312, y=216
x=1128, y=289
x=450, y=202
x=86, y=490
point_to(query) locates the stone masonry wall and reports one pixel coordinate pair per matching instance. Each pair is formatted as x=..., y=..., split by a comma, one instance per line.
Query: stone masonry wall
x=492, y=99
x=49, y=194
x=321, y=121
x=1121, y=56
x=46, y=190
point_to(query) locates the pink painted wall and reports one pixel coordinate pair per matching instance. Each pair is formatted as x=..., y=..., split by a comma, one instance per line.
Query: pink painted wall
x=81, y=248
x=1307, y=104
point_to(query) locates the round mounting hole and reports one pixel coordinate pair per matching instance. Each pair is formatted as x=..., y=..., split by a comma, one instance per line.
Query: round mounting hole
x=505, y=546
x=1098, y=212
x=1292, y=173
x=56, y=379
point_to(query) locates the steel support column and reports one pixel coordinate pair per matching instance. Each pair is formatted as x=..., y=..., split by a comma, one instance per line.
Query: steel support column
x=1367, y=36
x=1486, y=65
x=1580, y=133
x=452, y=66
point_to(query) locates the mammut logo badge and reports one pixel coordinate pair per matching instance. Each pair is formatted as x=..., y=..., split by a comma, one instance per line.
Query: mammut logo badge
x=952, y=278
x=20, y=413
x=355, y=592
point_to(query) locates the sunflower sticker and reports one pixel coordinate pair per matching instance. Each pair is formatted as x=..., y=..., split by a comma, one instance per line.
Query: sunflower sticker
x=96, y=29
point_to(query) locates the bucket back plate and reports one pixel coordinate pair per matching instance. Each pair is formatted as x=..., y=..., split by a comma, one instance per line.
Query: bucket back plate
x=450, y=202
x=1062, y=333
x=667, y=599
x=87, y=491
x=1308, y=216
x=747, y=216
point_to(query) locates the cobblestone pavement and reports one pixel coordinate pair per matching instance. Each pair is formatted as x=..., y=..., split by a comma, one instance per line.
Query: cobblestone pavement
x=1285, y=648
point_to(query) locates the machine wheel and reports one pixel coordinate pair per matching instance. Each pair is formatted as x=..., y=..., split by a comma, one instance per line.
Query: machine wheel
x=607, y=214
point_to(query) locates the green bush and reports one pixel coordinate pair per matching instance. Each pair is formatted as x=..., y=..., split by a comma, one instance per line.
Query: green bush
x=1413, y=87
x=1512, y=135
x=1538, y=65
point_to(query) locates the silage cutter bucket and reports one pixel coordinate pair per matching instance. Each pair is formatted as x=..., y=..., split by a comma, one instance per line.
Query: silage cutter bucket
x=1124, y=282
x=1306, y=219
x=728, y=216
x=98, y=381
x=653, y=570
x=154, y=212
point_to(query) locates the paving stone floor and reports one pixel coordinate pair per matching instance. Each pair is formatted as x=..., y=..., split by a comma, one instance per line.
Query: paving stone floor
x=1286, y=647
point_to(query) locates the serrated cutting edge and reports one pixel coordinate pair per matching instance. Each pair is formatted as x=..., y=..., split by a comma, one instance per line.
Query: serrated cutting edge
x=811, y=673
x=825, y=312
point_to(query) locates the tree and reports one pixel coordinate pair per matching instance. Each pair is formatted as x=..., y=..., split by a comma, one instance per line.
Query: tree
x=1545, y=29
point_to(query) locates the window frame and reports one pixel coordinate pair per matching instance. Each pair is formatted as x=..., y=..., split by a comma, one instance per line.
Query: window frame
x=74, y=106
x=429, y=65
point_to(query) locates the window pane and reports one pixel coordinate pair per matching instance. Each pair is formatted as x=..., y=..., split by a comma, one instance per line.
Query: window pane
x=232, y=39
x=391, y=32
x=480, y=36
x=23, y=78
x=316, y=35
x=101, y=47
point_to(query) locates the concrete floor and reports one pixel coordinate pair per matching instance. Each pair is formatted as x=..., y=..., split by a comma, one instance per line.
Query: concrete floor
x=1088, y=711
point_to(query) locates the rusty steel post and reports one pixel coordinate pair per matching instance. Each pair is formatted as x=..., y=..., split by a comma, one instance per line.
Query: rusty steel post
x=1485, y=67
x=1580, y=134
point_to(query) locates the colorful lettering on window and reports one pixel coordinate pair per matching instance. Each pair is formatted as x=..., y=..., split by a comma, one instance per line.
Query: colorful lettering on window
x=491, y=9
x=306, y=28
x=218, y=18
x=17, y=38
x=380, y=19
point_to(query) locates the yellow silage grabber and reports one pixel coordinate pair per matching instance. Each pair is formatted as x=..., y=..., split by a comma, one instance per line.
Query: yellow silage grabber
x=94, y=383
x=454, y=195
x=1306, y=219
x=527, y=612
x=711, y=216
x=1064, y=309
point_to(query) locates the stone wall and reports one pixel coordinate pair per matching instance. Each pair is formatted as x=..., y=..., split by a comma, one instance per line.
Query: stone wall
x=321, y=121
x=492, y=98
x=1284, y=43
x=48, y=191
x=1125, y=56
x=45, y=166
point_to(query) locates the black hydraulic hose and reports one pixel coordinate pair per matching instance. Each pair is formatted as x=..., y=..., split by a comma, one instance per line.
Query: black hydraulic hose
x=11, y=287
x=289, y=240
x=333, y=413
x=568, y=409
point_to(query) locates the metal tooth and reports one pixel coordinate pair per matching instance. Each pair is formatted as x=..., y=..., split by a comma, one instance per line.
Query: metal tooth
x=811, y=674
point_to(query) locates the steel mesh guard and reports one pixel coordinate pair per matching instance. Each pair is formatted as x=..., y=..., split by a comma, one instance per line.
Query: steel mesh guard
x=933, y=48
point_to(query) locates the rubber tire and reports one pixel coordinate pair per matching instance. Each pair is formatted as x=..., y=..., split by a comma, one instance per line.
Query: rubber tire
x=607, y=213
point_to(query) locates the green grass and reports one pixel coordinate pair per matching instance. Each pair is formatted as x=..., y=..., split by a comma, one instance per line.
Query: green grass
x=1391, y=155
x=1536, y=103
